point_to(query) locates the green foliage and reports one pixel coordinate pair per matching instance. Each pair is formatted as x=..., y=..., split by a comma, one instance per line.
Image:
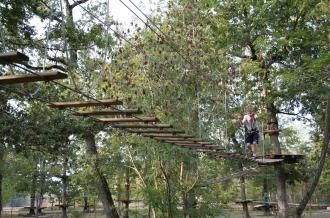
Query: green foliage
x=217, y=59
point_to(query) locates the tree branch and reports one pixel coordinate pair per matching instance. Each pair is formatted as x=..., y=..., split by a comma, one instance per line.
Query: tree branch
x=293, y=114
x=57, y=60
x=287, y=113
x=46, y=68
x=56, y=15
x=319, y=168
x=76, y=3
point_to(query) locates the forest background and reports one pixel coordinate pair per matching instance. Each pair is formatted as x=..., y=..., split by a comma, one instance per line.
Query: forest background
x=197, y=65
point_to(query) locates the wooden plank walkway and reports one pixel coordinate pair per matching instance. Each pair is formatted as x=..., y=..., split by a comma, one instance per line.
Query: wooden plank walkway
x=28, y=78
x=13, y=57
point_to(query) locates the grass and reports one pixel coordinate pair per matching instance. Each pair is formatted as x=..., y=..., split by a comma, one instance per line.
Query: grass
x=77, y=213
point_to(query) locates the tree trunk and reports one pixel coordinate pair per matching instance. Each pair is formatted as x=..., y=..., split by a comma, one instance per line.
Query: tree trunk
x=65, y=188
x=33, y=193
x=282, y=200
x=243, y=194
x=318, y=172
x=189, y=198
x=86, y=206
x=119, y=190
x=1, y=175
x=127, y=199
x=70, y=27
x=264, y=187
x=168, y=189
x=102, y=184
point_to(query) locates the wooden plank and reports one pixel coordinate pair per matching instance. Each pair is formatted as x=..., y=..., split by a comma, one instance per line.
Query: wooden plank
x=268, y=161
x=127, y=120
x=168, y=135
x=13, y=57
x=155, y=131
x=141, y=126
x=103, y=102
x=192, y=146
x=176, y=141
x=108, y=112
x=175, y=138
x=27, y=78
x=288, y=158
x=243, y=201
x=188, y=144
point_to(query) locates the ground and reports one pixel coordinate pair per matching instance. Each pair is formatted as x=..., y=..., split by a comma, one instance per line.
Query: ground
x=18, y=212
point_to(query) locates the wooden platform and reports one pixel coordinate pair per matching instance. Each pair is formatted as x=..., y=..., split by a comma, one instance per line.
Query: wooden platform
x=127, y=120
x=289, y=158
x=247, y=201
x=178, y=138
x=168, y=135
x=144, y=131
x=13, y=57
x=27, y=78
x=141, y=126
x=267, y=161
x=104, y=102
x=108, y=112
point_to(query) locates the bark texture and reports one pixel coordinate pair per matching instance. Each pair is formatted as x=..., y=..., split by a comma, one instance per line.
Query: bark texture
x=102, y=184
x=243, y=195
x=281, y=194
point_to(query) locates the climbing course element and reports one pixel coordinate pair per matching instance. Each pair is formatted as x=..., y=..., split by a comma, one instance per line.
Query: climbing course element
x=141, y=126
x=13, y=57
x=168, y=135
x=230, y=176
x=152, y=131
x=108, y=112
x=104, y=102
x=27, y=78
x=20, y=58
x=127, y=120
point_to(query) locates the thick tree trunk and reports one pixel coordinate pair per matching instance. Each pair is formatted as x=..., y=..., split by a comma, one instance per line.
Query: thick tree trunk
x=102, y=184
x=318, y=172
x=282, y=200
x=243, y=194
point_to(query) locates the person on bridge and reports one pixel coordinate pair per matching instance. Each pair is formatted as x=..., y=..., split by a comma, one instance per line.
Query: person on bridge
x=251, y=131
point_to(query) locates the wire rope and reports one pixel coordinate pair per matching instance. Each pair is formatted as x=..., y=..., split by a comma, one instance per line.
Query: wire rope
x=163, y=37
